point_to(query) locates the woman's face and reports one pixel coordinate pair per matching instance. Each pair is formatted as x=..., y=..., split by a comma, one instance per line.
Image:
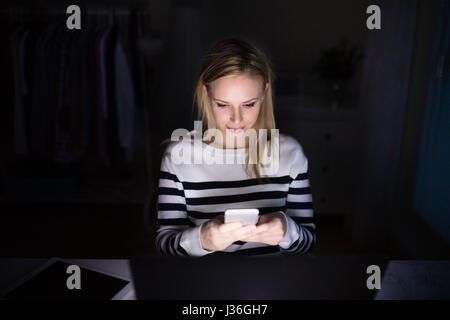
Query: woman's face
x=236, y=101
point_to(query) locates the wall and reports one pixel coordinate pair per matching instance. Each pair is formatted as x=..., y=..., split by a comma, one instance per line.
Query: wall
x=293, y=33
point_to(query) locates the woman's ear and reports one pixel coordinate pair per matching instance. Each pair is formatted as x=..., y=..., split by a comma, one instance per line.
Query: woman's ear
x=205, y=89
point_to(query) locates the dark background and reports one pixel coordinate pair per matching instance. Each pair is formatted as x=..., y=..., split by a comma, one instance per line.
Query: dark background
x=363, y=143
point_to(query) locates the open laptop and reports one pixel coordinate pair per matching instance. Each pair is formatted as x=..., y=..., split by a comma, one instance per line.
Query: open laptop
x=49, y=282
x=247, y=278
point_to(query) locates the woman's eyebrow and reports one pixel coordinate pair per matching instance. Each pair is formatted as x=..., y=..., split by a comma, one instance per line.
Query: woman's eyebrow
x=228, y=102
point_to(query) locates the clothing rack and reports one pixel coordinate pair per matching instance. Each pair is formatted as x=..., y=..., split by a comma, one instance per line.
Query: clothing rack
x=22, y=14
x=109, y=188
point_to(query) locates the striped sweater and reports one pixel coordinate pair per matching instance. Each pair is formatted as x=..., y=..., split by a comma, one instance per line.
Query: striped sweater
x=191, y=194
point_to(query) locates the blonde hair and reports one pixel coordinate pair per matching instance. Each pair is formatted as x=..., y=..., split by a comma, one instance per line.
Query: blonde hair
x=234, y=57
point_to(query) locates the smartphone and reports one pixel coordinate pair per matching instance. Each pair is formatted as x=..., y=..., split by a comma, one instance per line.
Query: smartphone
x=245, y=216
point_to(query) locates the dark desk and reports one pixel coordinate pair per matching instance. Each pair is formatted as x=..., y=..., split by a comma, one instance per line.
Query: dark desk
x=401, y=279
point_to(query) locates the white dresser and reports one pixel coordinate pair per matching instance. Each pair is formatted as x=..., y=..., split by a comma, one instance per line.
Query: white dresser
x=331, y=140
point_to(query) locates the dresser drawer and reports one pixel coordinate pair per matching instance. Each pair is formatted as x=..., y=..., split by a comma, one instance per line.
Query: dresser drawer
x=333, y=182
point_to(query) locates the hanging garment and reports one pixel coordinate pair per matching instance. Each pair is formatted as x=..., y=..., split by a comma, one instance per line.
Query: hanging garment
x=20, y=89
x=63, y=154
x=39, y=104
x=124, y=91
x=101, y=96
x=7, y=87
x=114, y=149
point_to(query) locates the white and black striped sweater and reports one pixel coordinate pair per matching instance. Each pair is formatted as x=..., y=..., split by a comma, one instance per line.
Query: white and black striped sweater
x=190, y=194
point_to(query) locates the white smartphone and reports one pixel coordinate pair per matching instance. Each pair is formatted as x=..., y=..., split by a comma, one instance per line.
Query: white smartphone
x=245, y=216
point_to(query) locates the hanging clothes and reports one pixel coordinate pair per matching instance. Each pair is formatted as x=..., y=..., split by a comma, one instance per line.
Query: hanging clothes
x=17, y=41
x=74, y=94
x=124, y=90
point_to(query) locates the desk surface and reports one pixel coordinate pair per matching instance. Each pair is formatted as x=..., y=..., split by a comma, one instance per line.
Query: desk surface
x=402, y=279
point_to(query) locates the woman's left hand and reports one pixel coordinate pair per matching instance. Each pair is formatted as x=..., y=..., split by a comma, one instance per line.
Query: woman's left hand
x=270, y=229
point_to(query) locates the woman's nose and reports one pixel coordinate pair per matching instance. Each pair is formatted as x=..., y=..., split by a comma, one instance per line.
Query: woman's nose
x=236, y=115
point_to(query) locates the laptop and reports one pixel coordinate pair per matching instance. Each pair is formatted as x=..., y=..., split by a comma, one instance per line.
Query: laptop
x=254, y=278
x=49, y=282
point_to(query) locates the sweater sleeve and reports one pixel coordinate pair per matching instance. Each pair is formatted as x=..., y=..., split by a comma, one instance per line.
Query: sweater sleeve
x=300, y=234
x=176, y=234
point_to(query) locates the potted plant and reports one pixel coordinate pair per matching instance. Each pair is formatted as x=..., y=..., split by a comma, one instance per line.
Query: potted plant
x=336, y=67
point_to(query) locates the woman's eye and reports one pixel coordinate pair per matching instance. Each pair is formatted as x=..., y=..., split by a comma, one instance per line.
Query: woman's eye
x=250, y=104
x=221, y=105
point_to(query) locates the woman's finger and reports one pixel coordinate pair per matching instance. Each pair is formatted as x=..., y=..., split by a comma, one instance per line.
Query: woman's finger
x=262, y=228
x=251, y=238
x=227, y=227
x=244, y=231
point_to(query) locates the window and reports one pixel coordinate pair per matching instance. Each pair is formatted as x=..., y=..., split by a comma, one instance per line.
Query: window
x=432, y=190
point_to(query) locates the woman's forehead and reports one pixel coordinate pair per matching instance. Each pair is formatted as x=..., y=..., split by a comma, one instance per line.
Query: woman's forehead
x=242, y=84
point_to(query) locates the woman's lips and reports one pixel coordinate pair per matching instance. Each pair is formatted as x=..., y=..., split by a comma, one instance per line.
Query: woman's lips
x=235, y=130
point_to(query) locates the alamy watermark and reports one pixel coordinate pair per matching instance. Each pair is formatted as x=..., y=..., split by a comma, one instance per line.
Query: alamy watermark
x=190, y=150
x=373, y=22
x=74, y=280
x=374, y=280
x=73, y=22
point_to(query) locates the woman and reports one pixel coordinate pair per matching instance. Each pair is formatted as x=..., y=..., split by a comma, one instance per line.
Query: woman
x=234, y=97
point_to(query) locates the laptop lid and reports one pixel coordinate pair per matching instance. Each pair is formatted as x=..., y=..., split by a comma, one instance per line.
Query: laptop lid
x=250, y=278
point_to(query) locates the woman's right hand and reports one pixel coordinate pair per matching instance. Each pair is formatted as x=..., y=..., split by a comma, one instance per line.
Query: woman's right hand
x=215, y=235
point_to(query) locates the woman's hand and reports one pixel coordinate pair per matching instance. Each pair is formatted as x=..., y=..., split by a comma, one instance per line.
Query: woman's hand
x=270, y=229
x=215, y=235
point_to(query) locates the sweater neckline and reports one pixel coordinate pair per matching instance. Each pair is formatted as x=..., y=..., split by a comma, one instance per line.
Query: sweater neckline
x=228, y=151
x=223, y=150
